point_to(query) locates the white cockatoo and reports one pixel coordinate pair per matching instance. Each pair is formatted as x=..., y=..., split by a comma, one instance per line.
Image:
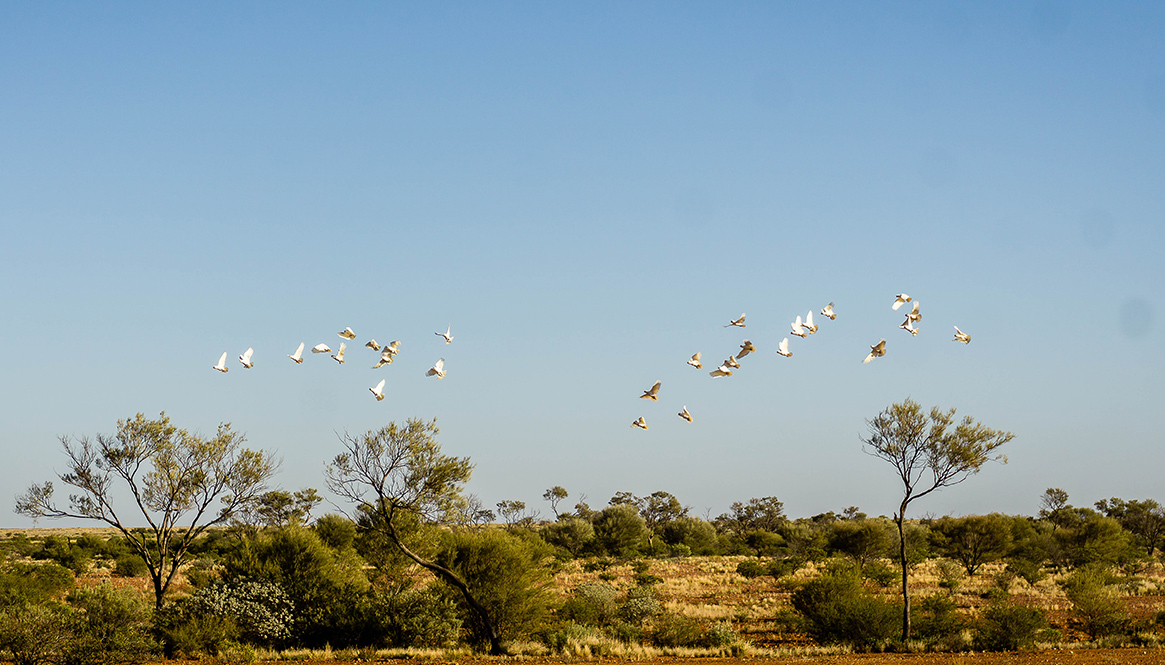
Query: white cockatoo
x=447, y=334
x=914, y=314
x=347, y=333
x=695, y=360
x=246, y=358
x=732, y=362
x=961, y=336
x=685, y=415
x=827, y=312
x=651, y=393
x=339, y=355
x=798, y=328
x=908, y=326
x=385, y=359
x=321, y=348
x=437, y=370
x=809, y=327
x=298, y=355
x=640, y=423
x=392, y=347
x=783, y=348
x=900, y=300
x=746, y=348
x=723, y=370
x=222, y=363
x=372, y=345
x=378, y=391
x=876, y=351
x=739, y=323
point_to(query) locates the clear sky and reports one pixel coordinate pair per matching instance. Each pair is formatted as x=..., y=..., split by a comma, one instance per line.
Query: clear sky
x=587, y=192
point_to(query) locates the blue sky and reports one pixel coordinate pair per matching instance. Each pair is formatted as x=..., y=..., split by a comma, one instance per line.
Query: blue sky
x=586, y=193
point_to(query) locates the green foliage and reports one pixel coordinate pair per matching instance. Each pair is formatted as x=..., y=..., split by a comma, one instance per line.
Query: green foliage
x=763, y=514
x=839, y=610
x=619, y=530
x=764, y=543
x=186, y=635
x=424, y=619
x=506, y=574
x=936, y=621
x=861, y=540
x=699, y=536
x=719, y=634
x=627, y=633
x=262, y=612
x=1006, y=627
x=880, y=573
x=779, y=568
x=593, y=603
x=1030, y=571
x=639, y=606
x=972, y=541
x=22, y=583
x=675, y=630
x=73, y=556
x=1145, y=520
x=336, y=531
x=950, y=574
x=570, y=533
x=112, y=627
x=37, y=634
x=1097, y=609
x=1086, y=537
x=130, y=565
x=750, y=568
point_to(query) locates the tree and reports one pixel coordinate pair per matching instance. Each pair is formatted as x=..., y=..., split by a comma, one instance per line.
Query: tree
x=659, y=509
x=764, y=514
x=974, y=540
x=174, y=477
x=555, y=495
x=400, y=471
x=928, y=452
x=620, y=530
x=1144, y=519
x=515, y=514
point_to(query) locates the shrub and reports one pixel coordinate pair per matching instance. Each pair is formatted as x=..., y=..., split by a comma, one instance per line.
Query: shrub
x=1029, y=571
x=426, y=619
x=1095, y=605
x=571, y=534
x=625, y=632
x=592, y=603
x=32, y=583
x=779, y=568
x=619, y=530
x=694, y=533
x=881, y=574
x=935, y=620
x=130, y=565
x=35, y=634
x=336, y=531
x=639, y=606
x=261, y=612
x=839, y=610
x=675, y=630
x=750, y=569
x=112, y=627
x=719, y=634
x=506, y=575
x=1006, y=627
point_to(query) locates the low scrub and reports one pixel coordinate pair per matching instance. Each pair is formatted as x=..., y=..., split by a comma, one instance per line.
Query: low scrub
x=839, y=610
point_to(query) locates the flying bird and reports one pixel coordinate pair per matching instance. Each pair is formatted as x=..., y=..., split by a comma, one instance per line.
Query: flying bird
x=385, y=359
x=745, y=349
x=372, y=345
x=908, y=326
x=339, y=355
x=437, y=370
x=347, y=334
x=732, y=362
x=798, y=328
x=809, y=323
x=320, y=348
x=827, y=311
x=378, y=391
x=392, y=347
x=641, y=423
x=960, y=336
x=739, y=323
x=695, y=361
x=246, y=358
x=900, y=300
x=298, y=355
x=783, y=348
x=685, y=415
x=222, y=363
x=914, y=314
x=876, y=351
x=448, y=337
x=651, y=393
x=722, y=370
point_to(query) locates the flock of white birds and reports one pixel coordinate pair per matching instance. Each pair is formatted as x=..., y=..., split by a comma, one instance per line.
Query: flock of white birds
x=387, y=354
x=802, y=328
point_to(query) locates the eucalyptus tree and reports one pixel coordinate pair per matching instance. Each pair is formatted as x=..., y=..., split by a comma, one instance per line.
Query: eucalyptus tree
x=171, y=478
x=398, y=473
x=928, y=451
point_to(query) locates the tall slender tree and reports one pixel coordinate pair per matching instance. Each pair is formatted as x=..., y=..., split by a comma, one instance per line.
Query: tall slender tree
x=928, y=452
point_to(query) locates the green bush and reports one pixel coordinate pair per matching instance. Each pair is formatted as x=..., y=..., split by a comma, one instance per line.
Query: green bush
x=22, y=583
x=719, y=634
x=336, y=531
x=1096, y=608
x=935, y=620
x=1006, y=627
x=839, y=610
x=675, y=630
x=624, y=632
x=36, y=634
x=571, y=534
x=750, y=569
x=262, y=612
x=639, y=605
x=620, y=531
x=779, y=568
x=1029, y=571
x=426, y=619
x=697, y=535
x=130, y=565
x=881, y=574
x=506, y=573
x=592, y=603
x=112, y=626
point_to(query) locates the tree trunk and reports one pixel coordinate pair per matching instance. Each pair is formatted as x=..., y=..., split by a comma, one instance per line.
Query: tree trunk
x=495, y=643
x=901, y=521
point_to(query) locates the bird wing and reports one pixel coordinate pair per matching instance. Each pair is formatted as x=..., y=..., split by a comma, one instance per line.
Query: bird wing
x=868, y=358
x=784, y=345
x=222, y=361
x=298, y=351
x=321, y=348
x=809, y=319
x=247, y=354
